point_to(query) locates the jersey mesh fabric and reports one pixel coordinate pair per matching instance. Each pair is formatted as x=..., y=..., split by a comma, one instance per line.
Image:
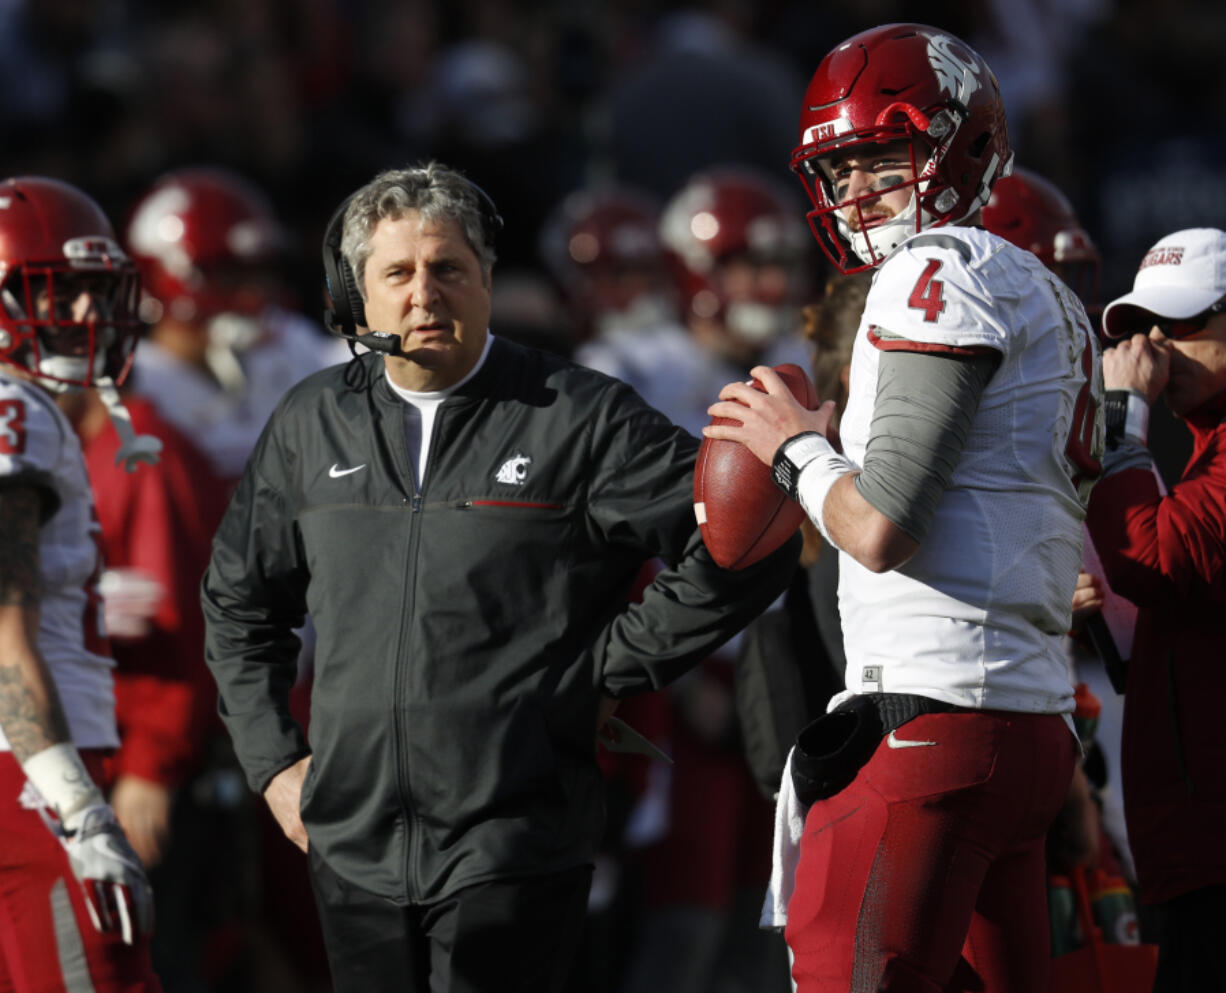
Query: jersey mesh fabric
x=976, y=616
x=70, y=634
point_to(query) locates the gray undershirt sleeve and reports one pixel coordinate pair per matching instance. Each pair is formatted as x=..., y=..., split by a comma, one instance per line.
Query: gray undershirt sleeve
x=925, y=405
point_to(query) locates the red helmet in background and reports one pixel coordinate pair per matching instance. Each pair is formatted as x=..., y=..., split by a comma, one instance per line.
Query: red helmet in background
x=741, y=252
x=901, y=82
x=602, y=248
x=57, y=249
x=1033, y=214
x=204, y=240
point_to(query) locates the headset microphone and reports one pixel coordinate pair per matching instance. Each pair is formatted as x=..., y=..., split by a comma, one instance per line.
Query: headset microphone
x=386, y=342
x=378, y=341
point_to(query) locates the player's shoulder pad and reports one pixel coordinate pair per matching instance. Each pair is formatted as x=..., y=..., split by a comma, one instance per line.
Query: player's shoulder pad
x=944, y=290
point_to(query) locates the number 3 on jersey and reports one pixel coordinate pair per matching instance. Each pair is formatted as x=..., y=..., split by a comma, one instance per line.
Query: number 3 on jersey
x=927, y=293
x=12, y=427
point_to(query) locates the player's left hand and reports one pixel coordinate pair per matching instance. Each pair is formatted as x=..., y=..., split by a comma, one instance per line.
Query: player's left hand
x=117, y=892
x=766, y=419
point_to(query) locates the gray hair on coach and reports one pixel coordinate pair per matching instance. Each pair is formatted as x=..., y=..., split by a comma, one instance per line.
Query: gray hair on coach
x=435, y=190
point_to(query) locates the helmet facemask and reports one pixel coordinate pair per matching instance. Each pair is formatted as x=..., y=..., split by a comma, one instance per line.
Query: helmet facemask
x=71, y=323
x=843, y=223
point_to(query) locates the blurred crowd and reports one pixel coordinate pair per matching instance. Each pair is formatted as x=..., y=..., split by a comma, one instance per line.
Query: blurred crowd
x=307, y=98
x=639, y=155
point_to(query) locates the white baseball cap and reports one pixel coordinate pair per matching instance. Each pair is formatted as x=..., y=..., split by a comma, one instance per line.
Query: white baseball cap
x=1183, y=275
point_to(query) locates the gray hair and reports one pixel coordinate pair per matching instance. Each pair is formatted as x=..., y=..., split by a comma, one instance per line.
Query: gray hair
x=435, y=190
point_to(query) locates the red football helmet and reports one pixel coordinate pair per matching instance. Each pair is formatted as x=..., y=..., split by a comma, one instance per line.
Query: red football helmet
x=204, y=240
x=69, y=292
x=603, y=251
x=1030, y=212
x=902, y=82
x=740, y=251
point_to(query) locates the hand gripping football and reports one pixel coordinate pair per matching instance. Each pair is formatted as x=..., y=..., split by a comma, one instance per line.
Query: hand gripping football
x=742, y=514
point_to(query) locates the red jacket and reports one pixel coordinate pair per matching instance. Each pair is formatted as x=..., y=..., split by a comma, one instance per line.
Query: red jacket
x=160, y=520
x=1168, y=556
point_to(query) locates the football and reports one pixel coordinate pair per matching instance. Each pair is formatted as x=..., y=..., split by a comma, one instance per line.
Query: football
x=742, y=514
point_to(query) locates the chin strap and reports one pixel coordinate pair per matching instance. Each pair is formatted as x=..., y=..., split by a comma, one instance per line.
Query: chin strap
x=133, y=448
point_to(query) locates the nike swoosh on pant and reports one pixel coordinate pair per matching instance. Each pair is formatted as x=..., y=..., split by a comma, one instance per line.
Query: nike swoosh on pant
x=897, y=743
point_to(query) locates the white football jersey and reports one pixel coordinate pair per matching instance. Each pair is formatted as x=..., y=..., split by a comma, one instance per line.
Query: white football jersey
x=226, y=425
x=37, y=441
x=976, y=617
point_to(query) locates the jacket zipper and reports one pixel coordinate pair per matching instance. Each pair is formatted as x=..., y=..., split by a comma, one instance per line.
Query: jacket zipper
x=403, y=693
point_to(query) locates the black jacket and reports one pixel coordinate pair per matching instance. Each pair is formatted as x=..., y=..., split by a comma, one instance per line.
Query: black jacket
x=466, y=631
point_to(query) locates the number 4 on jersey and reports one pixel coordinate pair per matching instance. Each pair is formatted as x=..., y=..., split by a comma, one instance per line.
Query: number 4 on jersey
x=927, y=293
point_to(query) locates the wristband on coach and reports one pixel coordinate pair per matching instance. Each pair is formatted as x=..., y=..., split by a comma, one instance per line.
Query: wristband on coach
x=1126, y=414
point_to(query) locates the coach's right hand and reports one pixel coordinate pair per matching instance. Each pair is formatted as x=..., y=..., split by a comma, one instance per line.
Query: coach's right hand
x=284, y=796
x=1141, y=363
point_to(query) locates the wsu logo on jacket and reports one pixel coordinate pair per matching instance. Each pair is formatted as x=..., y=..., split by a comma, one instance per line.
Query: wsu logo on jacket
x=514, y=470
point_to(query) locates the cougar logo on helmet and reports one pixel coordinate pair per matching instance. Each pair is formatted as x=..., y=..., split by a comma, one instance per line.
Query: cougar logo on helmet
x=956, y=74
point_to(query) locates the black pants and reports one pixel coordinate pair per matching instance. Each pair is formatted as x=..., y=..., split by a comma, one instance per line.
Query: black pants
x=500, y=937
x=1191, y=956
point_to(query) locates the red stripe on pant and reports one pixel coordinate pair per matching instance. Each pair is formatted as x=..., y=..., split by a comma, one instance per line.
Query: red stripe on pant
x=927, y=873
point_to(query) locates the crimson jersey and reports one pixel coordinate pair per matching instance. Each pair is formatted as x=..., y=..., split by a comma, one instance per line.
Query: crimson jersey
x=159, y=522
x=38, y=444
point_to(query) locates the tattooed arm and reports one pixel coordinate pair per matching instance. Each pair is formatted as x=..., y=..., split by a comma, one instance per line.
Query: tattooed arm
x=115, y=886
x=30, y=710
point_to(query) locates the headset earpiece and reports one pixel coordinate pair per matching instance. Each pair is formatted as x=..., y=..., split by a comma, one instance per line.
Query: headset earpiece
x=348, y=311
x=491, y=220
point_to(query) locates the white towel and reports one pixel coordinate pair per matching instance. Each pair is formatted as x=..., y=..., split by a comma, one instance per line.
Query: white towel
x=789, y=826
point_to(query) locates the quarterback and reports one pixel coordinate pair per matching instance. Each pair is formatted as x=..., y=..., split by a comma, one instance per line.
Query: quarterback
x=970, y=442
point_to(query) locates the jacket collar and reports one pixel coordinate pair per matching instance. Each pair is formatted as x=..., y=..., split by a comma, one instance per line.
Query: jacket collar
x=492, y=370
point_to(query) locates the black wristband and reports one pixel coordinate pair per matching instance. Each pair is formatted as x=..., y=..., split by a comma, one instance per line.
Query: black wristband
x=784, y=470
x=1115, y=415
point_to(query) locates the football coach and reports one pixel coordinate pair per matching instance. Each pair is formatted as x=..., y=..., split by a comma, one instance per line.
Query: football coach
x=462, y=518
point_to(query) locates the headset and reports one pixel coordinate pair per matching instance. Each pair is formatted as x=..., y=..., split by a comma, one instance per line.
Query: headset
x=348, y=311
